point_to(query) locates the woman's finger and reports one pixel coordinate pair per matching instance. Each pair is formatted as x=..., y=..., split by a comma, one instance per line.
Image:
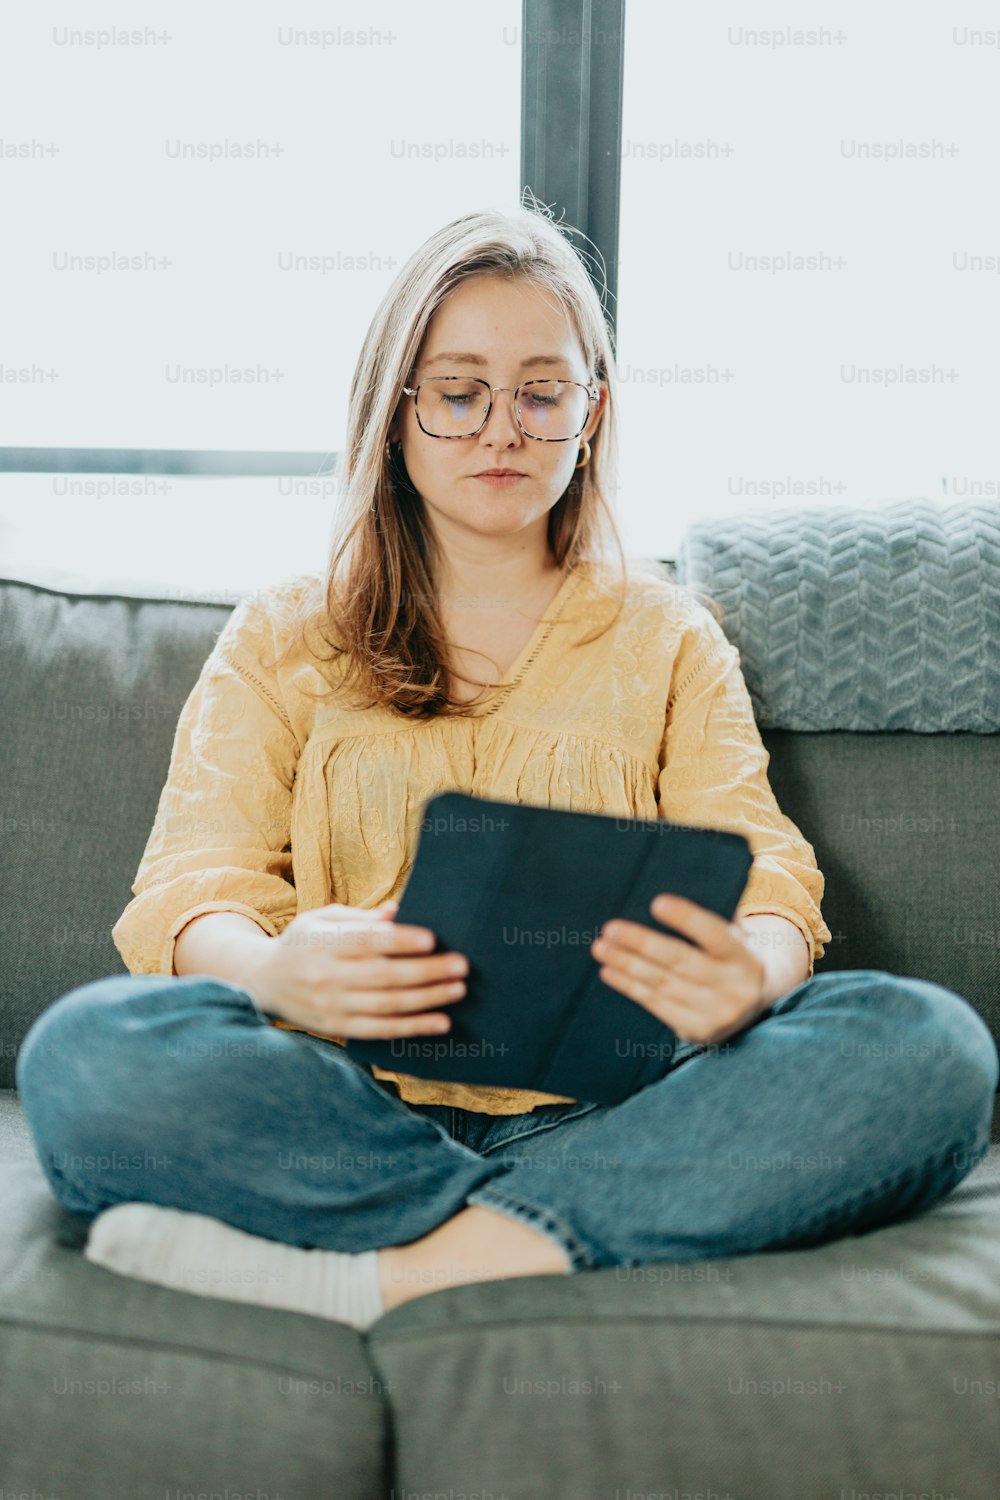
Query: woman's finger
x=707, y=929
x=693, y=1012
x=645, y=962
x=674, y=994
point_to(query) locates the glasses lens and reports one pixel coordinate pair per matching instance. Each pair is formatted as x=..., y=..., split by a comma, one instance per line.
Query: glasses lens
x=451, y=408
x=553, y=409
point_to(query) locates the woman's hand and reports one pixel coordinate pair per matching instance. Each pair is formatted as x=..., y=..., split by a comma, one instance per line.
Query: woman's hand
x=703, y=993
x=348, y=971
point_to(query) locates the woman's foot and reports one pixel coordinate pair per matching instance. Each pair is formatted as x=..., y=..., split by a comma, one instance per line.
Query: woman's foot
x=477, y=1244
x=195, y=1253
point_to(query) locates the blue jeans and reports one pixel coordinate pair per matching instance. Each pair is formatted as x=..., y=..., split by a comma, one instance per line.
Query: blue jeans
x=860, y=1099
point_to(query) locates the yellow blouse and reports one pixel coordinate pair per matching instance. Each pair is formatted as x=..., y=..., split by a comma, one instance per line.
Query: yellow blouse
x=276, y=804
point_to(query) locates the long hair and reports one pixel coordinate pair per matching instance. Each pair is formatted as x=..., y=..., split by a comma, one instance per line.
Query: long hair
x=379, y=597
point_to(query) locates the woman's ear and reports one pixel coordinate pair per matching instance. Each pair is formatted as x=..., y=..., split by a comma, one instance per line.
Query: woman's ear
x=595, y=416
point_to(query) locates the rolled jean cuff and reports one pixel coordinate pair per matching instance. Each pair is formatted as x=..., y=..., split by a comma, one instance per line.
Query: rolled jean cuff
x=490, y=1196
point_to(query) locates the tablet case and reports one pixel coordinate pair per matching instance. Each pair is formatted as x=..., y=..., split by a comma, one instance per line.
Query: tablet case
x=522, y=892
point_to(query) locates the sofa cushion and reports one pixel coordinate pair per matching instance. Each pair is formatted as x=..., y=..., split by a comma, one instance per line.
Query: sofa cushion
x=860, y=619
x=882, y=1344
x=93, y=687
x=867, y=1366
x=906, y=829
x=114, y=1386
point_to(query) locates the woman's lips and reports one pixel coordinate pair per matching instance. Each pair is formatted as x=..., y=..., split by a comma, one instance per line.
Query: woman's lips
x=499, y=481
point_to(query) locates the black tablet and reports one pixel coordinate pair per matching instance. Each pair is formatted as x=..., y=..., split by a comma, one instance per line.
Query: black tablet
x=522, y=892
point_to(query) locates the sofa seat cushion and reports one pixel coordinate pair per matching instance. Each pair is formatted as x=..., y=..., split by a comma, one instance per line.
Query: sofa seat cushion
x=869, y=1365
x=113, y=1386
x=871, y=1362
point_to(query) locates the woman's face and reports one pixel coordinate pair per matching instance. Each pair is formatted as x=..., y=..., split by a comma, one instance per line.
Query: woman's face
x=504, y=333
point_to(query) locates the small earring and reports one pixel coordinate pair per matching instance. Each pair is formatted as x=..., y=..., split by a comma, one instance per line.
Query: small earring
x=388, y=451
x=585, y=460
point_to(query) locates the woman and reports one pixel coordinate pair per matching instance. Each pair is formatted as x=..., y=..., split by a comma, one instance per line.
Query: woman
x=201, y=1110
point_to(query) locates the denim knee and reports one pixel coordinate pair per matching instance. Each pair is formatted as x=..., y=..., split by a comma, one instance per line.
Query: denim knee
x=974, y=1065
x=945, y=1051
x=60, y=1032
x=59, y=1077
x=77, y=1019
x=63, y=1068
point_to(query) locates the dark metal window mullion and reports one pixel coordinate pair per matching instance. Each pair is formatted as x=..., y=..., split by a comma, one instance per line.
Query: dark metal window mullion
x=572, y=66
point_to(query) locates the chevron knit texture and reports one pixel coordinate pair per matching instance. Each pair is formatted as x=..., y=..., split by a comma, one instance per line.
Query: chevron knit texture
x=846, y=618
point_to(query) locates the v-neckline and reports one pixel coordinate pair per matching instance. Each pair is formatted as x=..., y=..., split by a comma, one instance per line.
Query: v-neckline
x=536, y=641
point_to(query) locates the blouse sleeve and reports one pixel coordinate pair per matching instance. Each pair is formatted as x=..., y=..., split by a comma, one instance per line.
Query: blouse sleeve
x=221, y=839
x=713, y=773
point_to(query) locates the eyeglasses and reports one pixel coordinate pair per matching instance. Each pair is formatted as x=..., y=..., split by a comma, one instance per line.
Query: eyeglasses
x=457, y=406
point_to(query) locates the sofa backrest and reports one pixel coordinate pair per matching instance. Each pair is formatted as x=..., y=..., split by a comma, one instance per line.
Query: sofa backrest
x=905, y=826
x=92, y=688
x=906, y=829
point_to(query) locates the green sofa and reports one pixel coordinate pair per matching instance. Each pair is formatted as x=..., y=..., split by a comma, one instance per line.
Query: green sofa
x=869, y=1366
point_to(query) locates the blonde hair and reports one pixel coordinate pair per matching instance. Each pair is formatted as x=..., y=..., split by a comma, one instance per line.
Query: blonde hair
x=379, y=594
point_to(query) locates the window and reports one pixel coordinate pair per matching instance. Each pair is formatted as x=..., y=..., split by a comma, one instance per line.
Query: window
x=228, y=198
x=207, y=207
x=808, y=288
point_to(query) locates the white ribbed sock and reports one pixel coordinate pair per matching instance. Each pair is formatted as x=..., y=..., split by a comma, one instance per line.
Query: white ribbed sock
x=195, y=1253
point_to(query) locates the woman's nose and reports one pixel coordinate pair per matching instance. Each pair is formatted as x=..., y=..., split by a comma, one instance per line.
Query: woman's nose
x=501, y=423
